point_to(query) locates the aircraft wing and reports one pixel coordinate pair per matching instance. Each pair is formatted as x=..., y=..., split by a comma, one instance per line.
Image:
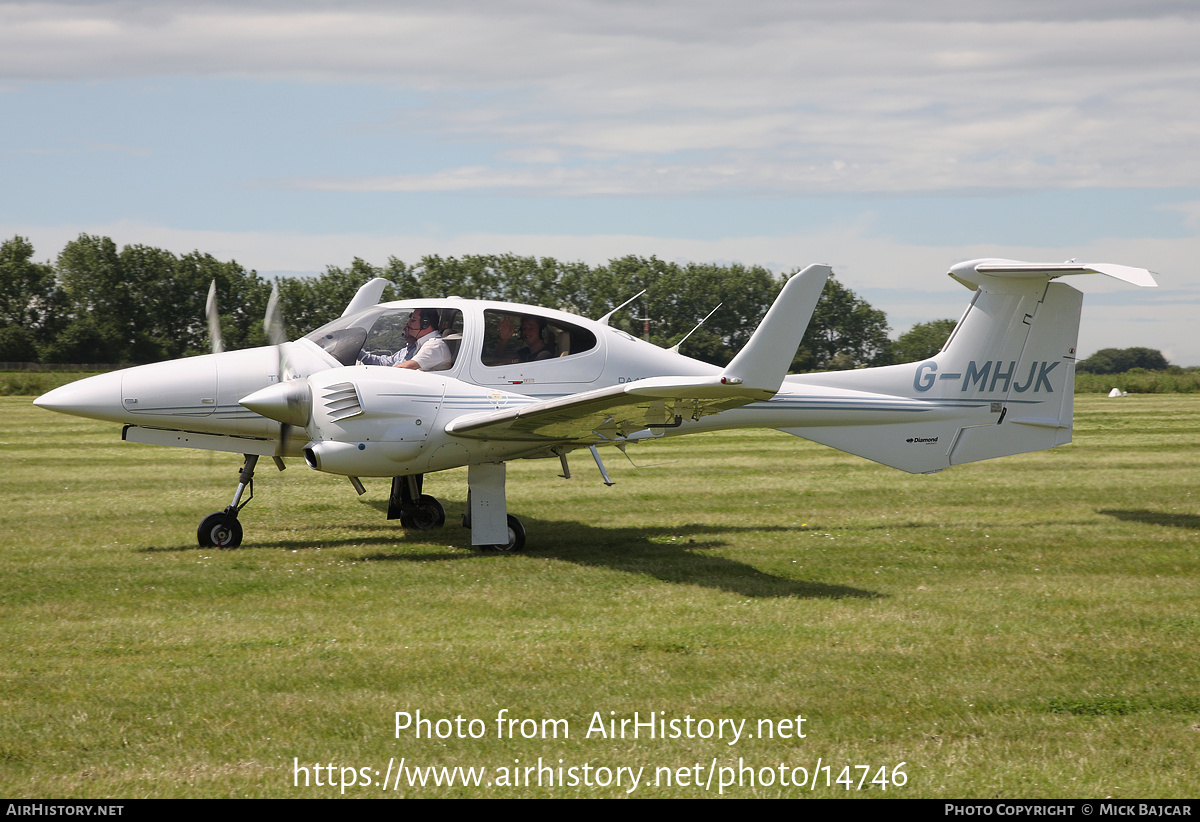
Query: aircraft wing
x=612, y=413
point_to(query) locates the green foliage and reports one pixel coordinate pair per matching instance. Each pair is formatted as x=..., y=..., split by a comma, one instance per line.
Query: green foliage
x=17, y=344
x=241, y=302
x=678, y=297
x=102, y=304
x=140, y=304
x=1174, y=380
x=83, y=341
x=922, y=341
x=1117, y=360
x=310, y=302
x=30, y=301
x=845, y=332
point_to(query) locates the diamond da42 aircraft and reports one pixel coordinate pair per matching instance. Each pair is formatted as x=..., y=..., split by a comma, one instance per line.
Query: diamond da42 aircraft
x=1002, y=384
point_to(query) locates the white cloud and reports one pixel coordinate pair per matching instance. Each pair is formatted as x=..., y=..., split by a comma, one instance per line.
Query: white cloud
x=789, y=97
x=592, y=98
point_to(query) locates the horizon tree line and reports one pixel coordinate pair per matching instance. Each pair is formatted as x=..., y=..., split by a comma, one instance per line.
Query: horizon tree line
x=100, y=304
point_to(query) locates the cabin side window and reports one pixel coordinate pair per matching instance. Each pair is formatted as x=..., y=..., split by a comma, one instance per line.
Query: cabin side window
x=513, y=338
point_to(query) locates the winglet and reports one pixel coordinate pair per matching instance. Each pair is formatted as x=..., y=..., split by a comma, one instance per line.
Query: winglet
x=366, y=297
x=764, y=361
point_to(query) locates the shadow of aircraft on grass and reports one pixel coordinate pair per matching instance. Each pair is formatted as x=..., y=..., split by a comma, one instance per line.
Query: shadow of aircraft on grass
x=668, y=553
x=1190, y=522
x=672, y=554
x=665, y=553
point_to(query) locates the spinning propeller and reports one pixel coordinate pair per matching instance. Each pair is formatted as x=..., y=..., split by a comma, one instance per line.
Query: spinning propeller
x=214, y=321
x=296, y=396
x=289, y=406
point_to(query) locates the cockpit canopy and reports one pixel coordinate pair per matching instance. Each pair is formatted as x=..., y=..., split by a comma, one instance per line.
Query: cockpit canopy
x=495, y=338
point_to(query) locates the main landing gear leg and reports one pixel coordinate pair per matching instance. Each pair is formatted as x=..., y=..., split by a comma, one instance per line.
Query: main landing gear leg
x=414, y=509
x=492, y=528
x=222, y=529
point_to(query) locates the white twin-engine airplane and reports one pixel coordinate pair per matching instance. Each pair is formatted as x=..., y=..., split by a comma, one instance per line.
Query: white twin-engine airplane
x=1002, y=384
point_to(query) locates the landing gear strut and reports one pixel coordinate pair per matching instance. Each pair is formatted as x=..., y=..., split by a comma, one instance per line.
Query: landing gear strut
x=414, y=509
x=222, y=529
x=492, y=527
x=516, y=538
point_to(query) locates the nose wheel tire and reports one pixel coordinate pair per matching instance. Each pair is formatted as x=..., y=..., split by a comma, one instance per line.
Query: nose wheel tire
x=220, y=530
x=516, y=538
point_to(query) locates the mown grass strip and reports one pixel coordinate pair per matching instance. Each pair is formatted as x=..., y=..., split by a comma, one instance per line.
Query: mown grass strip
x=1023, y=627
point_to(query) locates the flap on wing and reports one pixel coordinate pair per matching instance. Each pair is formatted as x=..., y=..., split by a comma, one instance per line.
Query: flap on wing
x=609, y=413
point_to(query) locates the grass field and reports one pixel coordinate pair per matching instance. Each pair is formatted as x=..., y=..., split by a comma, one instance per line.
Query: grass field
x=1025, y=627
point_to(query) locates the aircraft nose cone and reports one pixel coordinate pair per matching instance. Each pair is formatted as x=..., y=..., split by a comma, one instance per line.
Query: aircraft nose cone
x=96, y=397
x=287, y=402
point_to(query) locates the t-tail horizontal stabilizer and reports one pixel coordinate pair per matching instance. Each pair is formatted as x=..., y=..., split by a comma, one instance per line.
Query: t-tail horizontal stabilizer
x=1003, y=384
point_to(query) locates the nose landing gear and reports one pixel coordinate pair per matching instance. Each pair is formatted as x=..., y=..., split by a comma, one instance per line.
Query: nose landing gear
x=222, y=529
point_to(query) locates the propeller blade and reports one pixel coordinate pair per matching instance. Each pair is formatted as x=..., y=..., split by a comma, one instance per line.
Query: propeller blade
x=273, y=321
x=274, y=329
x=214, y=321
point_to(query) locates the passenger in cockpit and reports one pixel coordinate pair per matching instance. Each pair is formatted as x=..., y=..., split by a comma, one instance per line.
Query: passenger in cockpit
x=533, y=334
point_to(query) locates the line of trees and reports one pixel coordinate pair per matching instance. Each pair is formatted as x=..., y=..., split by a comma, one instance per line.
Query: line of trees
x=97, y=303
x=1120, y=360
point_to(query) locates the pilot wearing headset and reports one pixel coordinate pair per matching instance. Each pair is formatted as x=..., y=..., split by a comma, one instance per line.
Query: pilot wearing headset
x=426, y=350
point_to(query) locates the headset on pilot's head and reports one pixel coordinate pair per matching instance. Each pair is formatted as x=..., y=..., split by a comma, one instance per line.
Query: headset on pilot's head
x=429, y=317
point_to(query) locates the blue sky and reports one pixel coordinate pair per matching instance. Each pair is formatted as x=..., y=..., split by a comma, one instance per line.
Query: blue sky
x=888, y=141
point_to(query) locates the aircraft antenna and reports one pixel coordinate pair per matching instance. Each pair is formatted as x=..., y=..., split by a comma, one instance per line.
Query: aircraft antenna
x=604, y=320
x=675, y=347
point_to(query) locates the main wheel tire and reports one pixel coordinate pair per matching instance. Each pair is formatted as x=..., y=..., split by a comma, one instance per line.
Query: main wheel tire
x=428, y=513
x=219, y=530
x=516, y=538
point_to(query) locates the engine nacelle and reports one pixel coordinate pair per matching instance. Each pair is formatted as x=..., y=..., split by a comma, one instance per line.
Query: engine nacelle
x=372, y=421
x=362, y=459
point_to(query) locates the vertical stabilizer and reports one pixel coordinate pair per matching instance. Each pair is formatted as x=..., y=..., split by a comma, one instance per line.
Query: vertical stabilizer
x=1024, y=368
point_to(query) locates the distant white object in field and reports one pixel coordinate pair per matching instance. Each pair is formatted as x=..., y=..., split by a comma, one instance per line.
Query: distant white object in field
x=1117, y=392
